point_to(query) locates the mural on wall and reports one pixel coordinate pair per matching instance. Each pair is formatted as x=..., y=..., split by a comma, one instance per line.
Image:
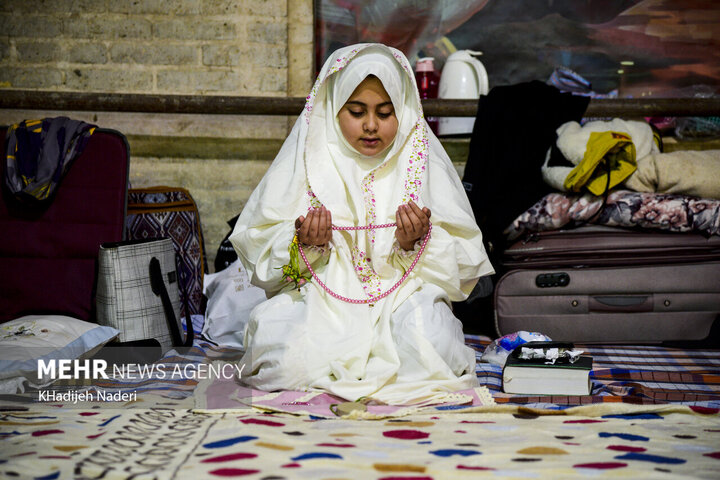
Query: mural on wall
x=624, y=47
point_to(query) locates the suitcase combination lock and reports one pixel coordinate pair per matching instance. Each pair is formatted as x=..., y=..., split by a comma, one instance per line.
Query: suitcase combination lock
x=558, y=279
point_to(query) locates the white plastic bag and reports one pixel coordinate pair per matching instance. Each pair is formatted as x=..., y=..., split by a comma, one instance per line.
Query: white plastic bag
x=499, y=349
x=231, y=298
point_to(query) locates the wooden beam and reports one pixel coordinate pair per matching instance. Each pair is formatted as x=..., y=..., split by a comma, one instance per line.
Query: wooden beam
x=227, y=105
x=149, y=103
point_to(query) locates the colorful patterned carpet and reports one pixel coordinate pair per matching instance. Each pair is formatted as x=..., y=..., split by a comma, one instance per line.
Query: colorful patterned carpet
x=171, y=442
x=653, y=413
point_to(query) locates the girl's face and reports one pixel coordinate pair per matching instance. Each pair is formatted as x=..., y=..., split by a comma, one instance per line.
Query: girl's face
x=367, y=120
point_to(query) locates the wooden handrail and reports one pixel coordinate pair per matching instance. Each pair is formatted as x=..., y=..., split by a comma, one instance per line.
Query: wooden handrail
x=227, y=105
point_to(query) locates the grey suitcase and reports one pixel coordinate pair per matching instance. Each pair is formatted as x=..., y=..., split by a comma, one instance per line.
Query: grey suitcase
x=611, y=285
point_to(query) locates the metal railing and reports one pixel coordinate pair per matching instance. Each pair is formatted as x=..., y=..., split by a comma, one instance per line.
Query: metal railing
x=235, y=105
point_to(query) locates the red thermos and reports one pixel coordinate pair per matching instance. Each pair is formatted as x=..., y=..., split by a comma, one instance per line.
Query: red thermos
x=427, y=81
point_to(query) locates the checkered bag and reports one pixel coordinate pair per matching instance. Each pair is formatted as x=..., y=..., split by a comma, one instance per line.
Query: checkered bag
x=137, y=291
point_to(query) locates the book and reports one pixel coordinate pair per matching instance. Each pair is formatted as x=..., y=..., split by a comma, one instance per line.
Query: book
x=539, y=377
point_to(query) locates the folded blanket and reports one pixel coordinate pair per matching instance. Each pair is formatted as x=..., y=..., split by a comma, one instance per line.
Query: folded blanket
x=674, y=213
x=574, y=144
x=685, y=172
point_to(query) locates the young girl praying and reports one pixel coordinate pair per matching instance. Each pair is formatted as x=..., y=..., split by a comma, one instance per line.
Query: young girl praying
x=361, y=235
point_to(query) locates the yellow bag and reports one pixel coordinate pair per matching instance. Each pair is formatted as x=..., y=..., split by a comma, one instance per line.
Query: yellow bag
x=611, y=152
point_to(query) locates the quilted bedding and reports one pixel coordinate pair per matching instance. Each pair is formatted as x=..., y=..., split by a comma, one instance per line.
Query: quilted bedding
x=624, y=208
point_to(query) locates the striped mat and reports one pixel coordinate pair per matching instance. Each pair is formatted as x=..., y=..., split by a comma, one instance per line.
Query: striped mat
x=640, y=375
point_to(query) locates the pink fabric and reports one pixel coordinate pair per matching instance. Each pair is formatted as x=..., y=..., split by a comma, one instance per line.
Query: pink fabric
x=224, y=394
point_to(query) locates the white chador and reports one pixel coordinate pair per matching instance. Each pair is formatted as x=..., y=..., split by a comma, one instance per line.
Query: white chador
x=404, y=348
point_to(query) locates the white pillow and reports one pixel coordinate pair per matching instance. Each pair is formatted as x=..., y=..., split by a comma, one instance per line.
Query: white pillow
x=26, y=340
x=231, y=297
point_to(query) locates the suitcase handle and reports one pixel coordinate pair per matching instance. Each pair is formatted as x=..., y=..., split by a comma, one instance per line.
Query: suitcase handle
x=621, y=303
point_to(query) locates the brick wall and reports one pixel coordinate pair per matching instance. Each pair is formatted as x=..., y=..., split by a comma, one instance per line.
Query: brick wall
x=236, y=47
x=200, y=47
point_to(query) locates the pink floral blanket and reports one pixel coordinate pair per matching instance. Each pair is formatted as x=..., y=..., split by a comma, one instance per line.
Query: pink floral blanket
x=624, y=208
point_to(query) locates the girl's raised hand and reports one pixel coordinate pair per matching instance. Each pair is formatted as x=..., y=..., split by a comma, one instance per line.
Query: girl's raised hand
x=413, y=223
x=316, y=228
